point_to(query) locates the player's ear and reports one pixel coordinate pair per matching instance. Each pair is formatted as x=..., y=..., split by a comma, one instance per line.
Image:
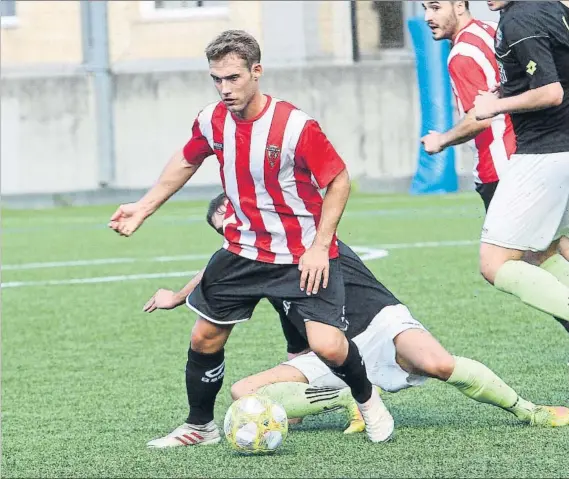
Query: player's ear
x=257, y=71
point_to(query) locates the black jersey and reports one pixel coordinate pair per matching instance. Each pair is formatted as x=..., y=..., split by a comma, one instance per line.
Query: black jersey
x=532, y=49
x=365, y=297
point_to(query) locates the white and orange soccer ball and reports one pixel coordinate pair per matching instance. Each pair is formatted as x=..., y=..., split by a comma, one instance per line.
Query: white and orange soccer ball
x=255, y=424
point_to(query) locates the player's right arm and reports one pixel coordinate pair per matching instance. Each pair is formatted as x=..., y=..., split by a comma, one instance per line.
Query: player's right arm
x=167, y=299
x=177, y=172
x=468, y=78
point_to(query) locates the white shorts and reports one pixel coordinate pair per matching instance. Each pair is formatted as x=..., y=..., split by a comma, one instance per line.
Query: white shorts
x=530, y=208
x=378, y=351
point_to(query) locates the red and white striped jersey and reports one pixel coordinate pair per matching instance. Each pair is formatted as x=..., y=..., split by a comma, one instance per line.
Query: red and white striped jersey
x=472, y=67
x=271, y=168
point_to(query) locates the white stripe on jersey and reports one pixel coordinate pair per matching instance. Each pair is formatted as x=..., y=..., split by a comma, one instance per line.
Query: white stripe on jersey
x=247, y=237
x=481, y=33
x=204, y=119
x=292, y=133
x=271, y=220
x=468, y=50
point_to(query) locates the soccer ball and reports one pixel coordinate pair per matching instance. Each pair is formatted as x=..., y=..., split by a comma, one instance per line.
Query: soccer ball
x=255, y=425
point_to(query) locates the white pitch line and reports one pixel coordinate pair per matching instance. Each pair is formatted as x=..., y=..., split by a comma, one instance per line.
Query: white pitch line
x=367, y=253
x=429, y=244
x=103, y=261
x=101, y=279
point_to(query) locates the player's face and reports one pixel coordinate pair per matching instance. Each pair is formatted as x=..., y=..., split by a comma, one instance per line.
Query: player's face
x=218, y=216
x=495, y=6
x=442, y=19
x=235, y=83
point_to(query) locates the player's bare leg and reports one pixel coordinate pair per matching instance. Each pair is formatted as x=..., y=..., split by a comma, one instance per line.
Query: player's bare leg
x=418, y=352
x=344, y=359
x=564, y=247
x=204, y=376
x=283, y=373
x=535, y=286
x=289, y=387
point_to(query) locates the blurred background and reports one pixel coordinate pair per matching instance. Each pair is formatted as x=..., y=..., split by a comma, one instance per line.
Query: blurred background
x=97, y=95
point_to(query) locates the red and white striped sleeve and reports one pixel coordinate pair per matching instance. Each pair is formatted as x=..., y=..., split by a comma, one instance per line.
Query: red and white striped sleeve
x=197, y=149
x=318, y=154
x=468, y=78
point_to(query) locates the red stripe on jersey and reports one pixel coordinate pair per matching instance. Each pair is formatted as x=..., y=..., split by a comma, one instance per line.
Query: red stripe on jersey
x=247, y=194
x=290, y=222
x=312, y=200
x=218, y=125
x=479, y=43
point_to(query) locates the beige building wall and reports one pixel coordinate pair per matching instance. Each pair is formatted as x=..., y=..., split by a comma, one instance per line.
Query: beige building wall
x=138, y=33
x=50, y=31
x=44, y=32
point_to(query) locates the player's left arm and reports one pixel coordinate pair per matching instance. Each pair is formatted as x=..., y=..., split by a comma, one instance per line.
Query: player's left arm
x=532, y=49
x=329, y=171
x=167, y=299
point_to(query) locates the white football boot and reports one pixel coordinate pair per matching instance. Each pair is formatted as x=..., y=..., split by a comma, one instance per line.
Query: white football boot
x=378, y=420
x=188, y=435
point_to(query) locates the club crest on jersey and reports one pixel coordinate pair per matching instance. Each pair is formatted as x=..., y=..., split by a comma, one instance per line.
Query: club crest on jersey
x=273, y=153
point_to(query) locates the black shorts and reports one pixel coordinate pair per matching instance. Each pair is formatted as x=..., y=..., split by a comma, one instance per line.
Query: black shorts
x=232, y=286
x=486, y=192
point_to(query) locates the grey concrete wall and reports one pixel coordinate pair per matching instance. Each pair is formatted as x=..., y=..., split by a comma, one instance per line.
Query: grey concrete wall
x=48, y=141
x=370, y=112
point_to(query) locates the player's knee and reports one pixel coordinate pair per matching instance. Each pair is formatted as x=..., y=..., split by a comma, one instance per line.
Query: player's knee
x=208, y=338
x=438, y=365
x=331, y=348
x=240, y=389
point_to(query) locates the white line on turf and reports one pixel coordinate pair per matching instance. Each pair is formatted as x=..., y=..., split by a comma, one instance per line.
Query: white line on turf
x=366, y=253
x=103, y=261
x=101, y=279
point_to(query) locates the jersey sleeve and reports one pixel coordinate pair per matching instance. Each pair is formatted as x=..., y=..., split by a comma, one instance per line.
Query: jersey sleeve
x=318, y=154
x=530, y=44
x=197, y=149
x=468, y=78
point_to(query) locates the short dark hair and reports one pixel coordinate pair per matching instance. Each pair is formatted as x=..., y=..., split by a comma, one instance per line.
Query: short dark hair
x=466, y=5
x=237, y=42
x=214, y=205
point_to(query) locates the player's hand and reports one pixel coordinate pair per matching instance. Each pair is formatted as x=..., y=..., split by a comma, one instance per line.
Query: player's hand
x=485, y=105
x=433, y=142
x=128, y=218
x=162, y=299
x=314, y=266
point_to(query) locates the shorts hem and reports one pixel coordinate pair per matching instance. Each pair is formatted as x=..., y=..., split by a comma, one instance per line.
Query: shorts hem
x=211, y=320
x=503, y=244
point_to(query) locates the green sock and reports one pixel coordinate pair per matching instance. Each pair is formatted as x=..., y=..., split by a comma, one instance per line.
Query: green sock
x=534, y=286
x=478, y=382
x=301, y=399
x=558, y=266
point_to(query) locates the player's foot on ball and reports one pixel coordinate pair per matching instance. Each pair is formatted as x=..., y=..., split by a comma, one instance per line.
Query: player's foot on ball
x=378, y=420
x=188, y=435
x=356, y=421
x=550, y=416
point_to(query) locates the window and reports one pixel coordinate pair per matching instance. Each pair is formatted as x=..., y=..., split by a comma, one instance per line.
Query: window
x=378, y=26
x=180, y=9
x=8, y=13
